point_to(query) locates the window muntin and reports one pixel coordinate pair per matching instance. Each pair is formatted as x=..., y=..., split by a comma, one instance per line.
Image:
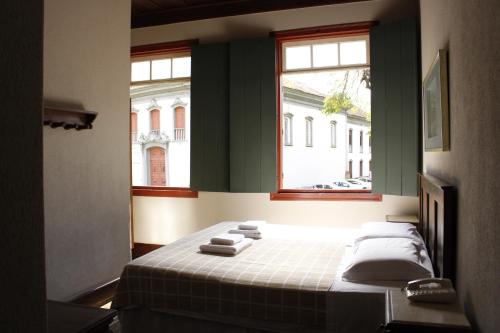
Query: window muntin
x=161, y=112
x=305, y=84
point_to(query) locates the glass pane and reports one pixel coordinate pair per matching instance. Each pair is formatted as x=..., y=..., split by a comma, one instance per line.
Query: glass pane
x=182, y=67
x=160, y=69
x=298, y=57
x=140, y=71
x=352, y=53
x=160, y=146
x=339, y=103
x=325, y=55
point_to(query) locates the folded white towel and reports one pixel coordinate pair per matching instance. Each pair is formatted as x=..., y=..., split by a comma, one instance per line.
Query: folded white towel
x=255, y=234
x=251, y=225
x=227, y=249
x=227, y=239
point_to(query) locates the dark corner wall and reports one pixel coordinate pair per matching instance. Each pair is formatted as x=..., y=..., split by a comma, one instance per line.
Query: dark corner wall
x=22, y=267
x=469, y=29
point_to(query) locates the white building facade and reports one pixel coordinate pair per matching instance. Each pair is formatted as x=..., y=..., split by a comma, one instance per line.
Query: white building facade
x=319, y=149
x=160, y=135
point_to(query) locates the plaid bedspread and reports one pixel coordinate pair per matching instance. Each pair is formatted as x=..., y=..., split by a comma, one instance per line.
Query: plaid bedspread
x=282, y=277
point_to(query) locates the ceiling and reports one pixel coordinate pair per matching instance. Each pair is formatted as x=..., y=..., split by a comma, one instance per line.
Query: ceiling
x=155, y=12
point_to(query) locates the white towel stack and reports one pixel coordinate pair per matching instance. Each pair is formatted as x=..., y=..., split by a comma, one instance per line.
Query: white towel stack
x=227, y=244
x=249, y=229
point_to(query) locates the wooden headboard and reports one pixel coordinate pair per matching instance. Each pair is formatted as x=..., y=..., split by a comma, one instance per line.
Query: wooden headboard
x=437, y=223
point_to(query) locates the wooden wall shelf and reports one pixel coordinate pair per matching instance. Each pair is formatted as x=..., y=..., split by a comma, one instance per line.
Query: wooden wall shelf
x=68, y=118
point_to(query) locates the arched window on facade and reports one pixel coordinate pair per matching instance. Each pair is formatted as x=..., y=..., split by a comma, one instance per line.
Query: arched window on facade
x=155, y=121
x=133, y=126
x=157, y=166
x=180, y=123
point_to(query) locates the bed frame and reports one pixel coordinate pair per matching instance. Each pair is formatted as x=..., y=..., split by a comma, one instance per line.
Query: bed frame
x=437, y=223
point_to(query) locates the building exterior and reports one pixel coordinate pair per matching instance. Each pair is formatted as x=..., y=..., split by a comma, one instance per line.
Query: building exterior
x=160, y=134
x=320, y=149
x=317, y=148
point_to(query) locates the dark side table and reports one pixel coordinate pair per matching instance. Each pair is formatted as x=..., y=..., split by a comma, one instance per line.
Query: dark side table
x=69, y=318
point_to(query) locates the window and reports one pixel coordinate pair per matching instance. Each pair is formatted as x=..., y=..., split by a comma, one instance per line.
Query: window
x=321, y=76
x=154, y=116
x=333, y=134
x=361, y=141
x=309, y=131
x=350, y=140
x=133, y=126
x=361, y=168
x=160, y=98
x=288, y=129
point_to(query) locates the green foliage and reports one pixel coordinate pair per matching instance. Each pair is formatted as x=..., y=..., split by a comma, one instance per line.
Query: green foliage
x=336, y=103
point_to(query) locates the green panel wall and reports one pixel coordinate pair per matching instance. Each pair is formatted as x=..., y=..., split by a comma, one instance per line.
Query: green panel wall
x=210, y=117
x=252, y=116
x=395, y=108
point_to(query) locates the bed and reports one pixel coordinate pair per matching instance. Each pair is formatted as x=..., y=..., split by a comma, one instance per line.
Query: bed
x=289, y=281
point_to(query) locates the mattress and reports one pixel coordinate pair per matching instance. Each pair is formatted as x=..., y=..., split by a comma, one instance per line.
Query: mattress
x=283, y=277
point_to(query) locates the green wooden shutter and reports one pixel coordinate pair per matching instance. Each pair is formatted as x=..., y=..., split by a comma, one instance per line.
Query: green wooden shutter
x=252, y=116
x=395, y=88
x=210, y=117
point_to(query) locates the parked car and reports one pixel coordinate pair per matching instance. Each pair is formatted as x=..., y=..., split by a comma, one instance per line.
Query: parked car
x=356, y=184
x=341, y=185
x=366, y=181
x=322, y=187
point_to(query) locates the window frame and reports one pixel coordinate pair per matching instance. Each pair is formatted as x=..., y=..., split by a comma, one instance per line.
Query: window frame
x=177, y=48
x=296, y=35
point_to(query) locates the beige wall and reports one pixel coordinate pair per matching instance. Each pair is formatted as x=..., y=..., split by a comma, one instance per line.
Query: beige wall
x=260, y=24
x=469, y=29
x=22, y=267
x=86, y=173
x=162, y=220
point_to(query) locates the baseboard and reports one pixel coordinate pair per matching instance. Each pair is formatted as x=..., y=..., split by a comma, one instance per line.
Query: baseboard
x=99, y=296
x=141, y=249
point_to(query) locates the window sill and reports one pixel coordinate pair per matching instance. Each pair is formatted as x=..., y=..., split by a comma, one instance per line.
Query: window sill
x=174, y=192
x=304, y=195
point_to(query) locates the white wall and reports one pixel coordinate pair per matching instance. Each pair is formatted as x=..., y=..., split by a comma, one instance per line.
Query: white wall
x=161, y=220
x=86, y=173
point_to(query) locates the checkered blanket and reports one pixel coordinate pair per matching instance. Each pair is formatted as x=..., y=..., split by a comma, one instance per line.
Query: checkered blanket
x=282, y=277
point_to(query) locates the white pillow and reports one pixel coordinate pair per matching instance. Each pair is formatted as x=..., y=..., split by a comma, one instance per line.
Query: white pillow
x=387, y=259
x=389, y=230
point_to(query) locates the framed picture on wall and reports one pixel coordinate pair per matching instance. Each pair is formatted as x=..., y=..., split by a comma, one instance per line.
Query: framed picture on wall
x=435, y=105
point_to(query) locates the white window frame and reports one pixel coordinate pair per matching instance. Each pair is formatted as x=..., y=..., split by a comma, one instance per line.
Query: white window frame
x=333, y=134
